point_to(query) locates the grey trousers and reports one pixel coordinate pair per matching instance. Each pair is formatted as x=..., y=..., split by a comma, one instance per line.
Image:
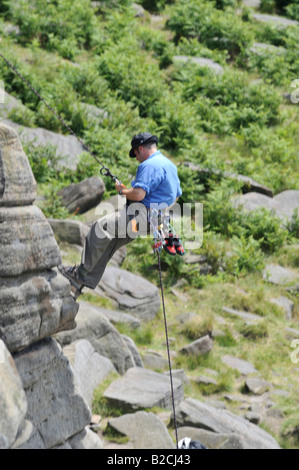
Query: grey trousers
x=107, y=235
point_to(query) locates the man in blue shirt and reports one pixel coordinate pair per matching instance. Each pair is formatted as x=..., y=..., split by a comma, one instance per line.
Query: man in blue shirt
x=156, y=185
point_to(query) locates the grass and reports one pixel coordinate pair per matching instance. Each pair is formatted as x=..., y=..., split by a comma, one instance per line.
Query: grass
x=100, y=405
x=257, y=343
x=269, y=154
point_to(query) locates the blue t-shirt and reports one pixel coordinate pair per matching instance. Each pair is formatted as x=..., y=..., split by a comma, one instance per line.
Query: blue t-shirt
x=158, y=176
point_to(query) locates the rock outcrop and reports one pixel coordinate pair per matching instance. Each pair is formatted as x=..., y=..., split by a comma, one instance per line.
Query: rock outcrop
x=224, y=424
x=13, y=403
x=131, y=293
x=142, y=388
x=35, y=303
x=80, y=197
x=93, y=325
x=283, y=205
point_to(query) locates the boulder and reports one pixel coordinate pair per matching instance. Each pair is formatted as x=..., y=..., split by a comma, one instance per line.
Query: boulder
x=134, y=351
x=90, y=441
x=253, y=201
x=283, y=205
x=200, y=346
x=145, y=430
x=286, y=304
x=27, y=243
x=201, y=62
x=292, y=332
x=211, y=440
x=194, y=413
x=80, y=197
x=242, y=315
x=115, y=317
x=34, y=307
x=14, y=429
x=17, y=183
x=143, y=388
x=139, y=10
x=289, y=201
x=261, y=49
x=154, y=360
x=256, y=385
x=94, y=326
x=8, y=103
x=55, y=408
x=67, y=146
x=90, y=368
x=69, y=231
x=244, y=367
x=179, y=374
x=108, y=206
x=278, y=275
x=276, y=20
x=252, y=3
x=249, y=184
x=131, y=292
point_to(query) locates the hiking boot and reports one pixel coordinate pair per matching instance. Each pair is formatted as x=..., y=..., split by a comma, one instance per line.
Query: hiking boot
x=72, y=274
x=169, y=245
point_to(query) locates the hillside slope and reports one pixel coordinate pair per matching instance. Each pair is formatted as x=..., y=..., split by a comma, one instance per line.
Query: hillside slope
x=218, y=83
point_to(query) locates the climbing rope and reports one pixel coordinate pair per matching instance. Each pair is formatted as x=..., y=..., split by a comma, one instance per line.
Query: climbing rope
x=106, y=172
x=168, y=351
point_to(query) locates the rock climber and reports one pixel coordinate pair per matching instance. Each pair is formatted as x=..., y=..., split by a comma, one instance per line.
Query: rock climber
x=156, y=183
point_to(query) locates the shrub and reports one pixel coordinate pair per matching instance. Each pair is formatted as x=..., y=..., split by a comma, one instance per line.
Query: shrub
x=155, y=5
x=282, y=66
x=43, y=162
x=198, y=327
x=220, y=216
x=86, y=82
x=136, y=78
x=62, y=25
x=247, y=256
x=193, y=47
x=266, y=228
x=176, y=121
x=218, y=31
x=190, y=184
x=65, y=104
x=292, y=11
x=52, y=207
x=221, y=4
x=254, y=332
x=23, y=116
x=226, y=103
x=214, y=251
x=290, y=8
x=162, y=48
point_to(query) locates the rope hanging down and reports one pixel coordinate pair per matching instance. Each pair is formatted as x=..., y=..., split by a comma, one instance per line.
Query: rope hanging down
x=106, y=172
x=168, y=351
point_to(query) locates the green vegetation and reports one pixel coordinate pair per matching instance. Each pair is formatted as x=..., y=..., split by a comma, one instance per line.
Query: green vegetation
x=240, y=121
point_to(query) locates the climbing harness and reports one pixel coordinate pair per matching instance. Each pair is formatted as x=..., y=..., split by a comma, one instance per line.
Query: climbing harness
x=159, y=223
x=163, y=233
x=160, y=226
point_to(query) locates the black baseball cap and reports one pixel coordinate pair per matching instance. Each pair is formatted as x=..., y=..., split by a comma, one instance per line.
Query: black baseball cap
x=141, y=139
